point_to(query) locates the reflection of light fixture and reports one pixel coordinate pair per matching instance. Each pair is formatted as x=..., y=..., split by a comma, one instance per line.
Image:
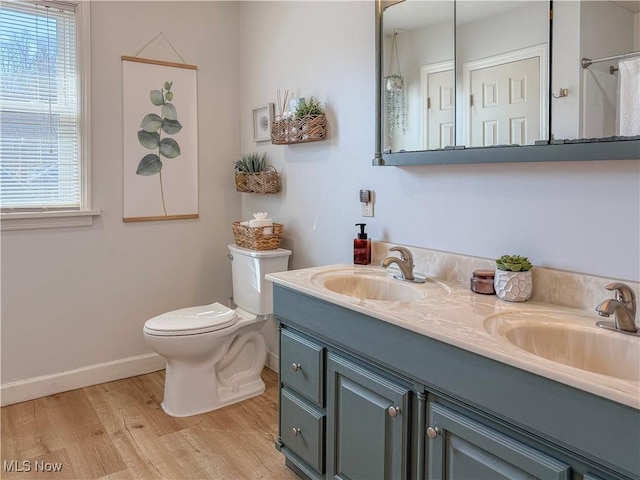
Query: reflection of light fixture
x=395, y=82
x=395, y=93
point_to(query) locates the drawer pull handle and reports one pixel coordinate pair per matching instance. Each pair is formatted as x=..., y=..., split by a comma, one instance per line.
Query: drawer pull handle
x=432, y=432
x=296, y=366
x=393, y=411
x=295, y=431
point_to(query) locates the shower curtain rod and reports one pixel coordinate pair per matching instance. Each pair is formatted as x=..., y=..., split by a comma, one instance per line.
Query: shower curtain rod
x=588, y=61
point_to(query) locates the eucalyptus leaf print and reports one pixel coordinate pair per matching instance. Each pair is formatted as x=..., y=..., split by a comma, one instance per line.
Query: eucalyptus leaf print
x=149, y=140
x=171, y=126
x=169, y=111
x=157, y=97
x=149, y=165
x=151, y=123
x=150, y=136
x=169, y=148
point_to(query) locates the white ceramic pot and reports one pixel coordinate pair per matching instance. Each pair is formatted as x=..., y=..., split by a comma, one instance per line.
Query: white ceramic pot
x=513, y=286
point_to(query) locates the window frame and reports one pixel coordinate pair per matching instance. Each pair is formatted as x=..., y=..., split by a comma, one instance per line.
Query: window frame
x=64, y=217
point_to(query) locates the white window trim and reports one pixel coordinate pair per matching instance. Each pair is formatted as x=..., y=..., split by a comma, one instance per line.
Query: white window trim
x=84, y=216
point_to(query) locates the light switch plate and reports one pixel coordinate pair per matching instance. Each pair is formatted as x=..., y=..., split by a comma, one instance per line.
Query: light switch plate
x=367, y=209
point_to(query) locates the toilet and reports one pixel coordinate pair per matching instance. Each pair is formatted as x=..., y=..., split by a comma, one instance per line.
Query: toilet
x=214, y=354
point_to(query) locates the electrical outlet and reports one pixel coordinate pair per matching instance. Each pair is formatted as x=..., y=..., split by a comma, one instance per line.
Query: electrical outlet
x=367, y=209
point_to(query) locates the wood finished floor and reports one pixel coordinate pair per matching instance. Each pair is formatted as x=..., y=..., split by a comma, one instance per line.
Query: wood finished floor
x=118, y=430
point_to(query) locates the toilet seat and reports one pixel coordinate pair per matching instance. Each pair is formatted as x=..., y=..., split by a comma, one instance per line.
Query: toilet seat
x=191, y=321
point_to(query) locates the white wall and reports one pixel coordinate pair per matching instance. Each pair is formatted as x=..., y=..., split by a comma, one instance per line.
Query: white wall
x=75, y=297
x=582, y=216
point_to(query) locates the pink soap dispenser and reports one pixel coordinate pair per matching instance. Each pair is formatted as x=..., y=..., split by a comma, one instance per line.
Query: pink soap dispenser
x=361, y=247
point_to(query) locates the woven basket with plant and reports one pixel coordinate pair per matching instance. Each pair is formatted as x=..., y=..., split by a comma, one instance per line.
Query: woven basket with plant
x=307, y=125
x=253, y=175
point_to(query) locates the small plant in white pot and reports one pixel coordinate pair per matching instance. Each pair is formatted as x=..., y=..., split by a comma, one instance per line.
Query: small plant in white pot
x=513, y=280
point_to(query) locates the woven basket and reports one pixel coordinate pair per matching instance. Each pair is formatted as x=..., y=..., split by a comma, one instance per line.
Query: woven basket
x=255, y=238
x=263, y=182
x=286, y=131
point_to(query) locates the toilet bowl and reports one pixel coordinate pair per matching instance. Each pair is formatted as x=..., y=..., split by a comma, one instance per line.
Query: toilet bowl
x=214, y=354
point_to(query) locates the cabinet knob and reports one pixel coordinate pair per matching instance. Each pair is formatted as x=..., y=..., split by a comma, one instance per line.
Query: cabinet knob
x=432, y=432
x=393, y=411
x=295, y=431
x=296, y=366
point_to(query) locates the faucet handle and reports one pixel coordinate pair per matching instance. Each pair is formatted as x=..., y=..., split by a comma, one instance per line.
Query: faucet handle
x=623, y=292
x=405, y=254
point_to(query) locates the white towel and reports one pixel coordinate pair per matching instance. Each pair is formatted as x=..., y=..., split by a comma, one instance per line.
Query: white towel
x=629, y=96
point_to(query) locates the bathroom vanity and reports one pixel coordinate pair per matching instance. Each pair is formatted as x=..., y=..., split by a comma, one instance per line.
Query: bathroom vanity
x=420, y=389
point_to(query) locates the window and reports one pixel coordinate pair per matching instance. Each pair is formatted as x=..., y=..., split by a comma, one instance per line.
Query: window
x=44, y=114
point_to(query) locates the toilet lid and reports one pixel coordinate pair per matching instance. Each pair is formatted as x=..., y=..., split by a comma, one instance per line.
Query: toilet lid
x=192, y=320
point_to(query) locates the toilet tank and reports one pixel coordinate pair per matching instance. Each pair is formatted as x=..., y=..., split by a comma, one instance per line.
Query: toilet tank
x=251, y=292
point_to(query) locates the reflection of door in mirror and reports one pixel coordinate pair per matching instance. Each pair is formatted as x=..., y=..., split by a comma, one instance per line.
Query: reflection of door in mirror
x=507, y=98
x=501, y=64
x=437, y=102
x=503, y=109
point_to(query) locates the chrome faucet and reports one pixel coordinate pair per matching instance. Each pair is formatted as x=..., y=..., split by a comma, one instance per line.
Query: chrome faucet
x=622, y=307
x=405, y=263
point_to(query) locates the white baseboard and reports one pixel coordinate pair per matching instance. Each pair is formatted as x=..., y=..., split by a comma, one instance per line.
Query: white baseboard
x=273, y=362
x=36, y=387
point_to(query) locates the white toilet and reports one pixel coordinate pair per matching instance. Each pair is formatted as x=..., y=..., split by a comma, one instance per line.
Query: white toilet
x=215, y=355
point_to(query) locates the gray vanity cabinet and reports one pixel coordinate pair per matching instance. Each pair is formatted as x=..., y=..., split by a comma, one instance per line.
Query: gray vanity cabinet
x=461, y=448
x=367, y=423
x=361, y=398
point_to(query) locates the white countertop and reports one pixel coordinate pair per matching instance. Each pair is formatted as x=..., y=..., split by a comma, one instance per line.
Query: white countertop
x=455, y=315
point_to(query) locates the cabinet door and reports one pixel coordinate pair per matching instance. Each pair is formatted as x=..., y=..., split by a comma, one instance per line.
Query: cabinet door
x=367, y=423
x=461, y=448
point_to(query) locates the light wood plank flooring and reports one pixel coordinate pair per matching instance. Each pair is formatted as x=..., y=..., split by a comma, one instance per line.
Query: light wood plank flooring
x=118, y=430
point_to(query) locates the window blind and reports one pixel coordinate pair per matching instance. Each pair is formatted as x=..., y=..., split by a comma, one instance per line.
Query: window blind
x=40, y=165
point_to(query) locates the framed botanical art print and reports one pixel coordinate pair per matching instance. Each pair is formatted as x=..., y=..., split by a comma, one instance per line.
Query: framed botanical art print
x=160, y=140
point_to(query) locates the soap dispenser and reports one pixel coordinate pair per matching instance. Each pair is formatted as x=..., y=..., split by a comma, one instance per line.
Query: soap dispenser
x=361, y=247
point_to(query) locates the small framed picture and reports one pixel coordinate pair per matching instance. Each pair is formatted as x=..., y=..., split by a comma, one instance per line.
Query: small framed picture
x=262, y=118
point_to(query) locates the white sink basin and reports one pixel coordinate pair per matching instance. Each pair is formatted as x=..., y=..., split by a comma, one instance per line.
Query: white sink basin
x=572, y=340
x=375, y=284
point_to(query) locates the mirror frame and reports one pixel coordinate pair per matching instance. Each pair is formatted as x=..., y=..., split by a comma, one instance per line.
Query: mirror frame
x=551, y=152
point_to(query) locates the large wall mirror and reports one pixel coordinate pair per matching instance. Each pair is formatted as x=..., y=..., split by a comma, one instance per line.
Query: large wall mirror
x=466, y=81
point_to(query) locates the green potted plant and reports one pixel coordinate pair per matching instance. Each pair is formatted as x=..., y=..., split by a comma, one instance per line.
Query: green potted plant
x=311, y=108
x=253, y=175
x=513, y=280
x=311, y=116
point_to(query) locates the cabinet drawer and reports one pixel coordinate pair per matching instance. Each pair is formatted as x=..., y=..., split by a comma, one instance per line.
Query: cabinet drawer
x=302, y=429
x=302, y=366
